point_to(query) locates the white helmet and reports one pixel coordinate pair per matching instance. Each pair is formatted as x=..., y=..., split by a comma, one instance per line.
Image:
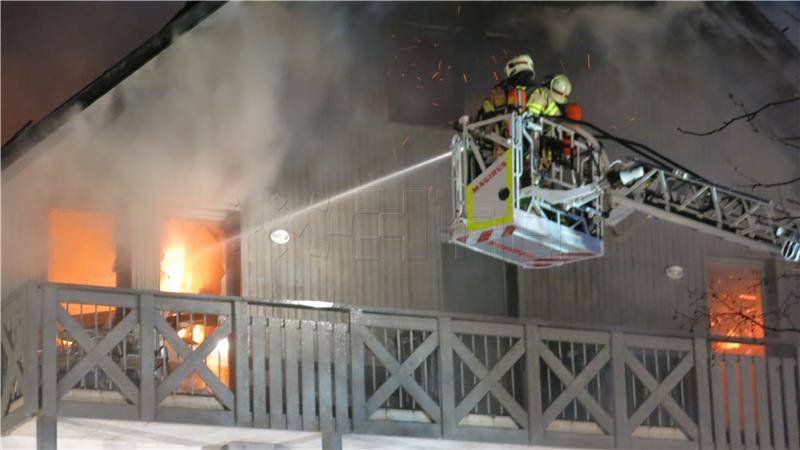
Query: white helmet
x=560, y=87
x=519, y=63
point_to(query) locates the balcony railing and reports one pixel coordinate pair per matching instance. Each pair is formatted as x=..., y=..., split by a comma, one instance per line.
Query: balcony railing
x=141, y=355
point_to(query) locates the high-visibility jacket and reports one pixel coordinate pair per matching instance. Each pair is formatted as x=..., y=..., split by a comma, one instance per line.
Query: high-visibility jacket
x=541, y=103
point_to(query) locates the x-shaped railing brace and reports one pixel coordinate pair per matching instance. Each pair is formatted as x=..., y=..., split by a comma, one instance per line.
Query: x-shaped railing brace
x=194, y=360
x=97, y=354
x=659, y=394
x=575, y=387
x=14, y=352
x=490, y=381
x=401, y=373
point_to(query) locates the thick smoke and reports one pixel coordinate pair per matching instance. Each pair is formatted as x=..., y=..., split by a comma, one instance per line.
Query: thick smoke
x=214, y=116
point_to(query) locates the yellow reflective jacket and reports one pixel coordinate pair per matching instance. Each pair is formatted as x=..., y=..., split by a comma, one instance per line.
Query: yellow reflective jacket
x=541, y=103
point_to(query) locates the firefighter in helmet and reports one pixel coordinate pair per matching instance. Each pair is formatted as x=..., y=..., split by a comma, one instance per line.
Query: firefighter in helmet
x=548, y=100
x=513, y=91
x=510, y=94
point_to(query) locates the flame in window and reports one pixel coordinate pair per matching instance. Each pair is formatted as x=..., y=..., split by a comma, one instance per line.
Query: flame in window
x=192, y=257
x=734, y=305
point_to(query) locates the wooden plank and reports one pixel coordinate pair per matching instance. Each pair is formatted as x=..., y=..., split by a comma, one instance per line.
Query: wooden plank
x=324, y=338
x=447, y=380
x=188, y=305
x=398, y=322
x=748, y=406
x=487, y=328
x=293, y=420
x=776, y=400
x=46, y=432
x=97, y=298
x=718, y=402
x=704, y=423
x=341, y=379
x=308, y=375
x=49, y=355
x=259, y=335
x=241, y=326
x=357, y=362
x=790, y=403
x=90, y=410
x=764, y=438
x=618, y=350
x=30, y=346
x=570, y=335
x=147, y=342
x=276, y=415
x=659, y=342
x=533, y=384
x=734, y=430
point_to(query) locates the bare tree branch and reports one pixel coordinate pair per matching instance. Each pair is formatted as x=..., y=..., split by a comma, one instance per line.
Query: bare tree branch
x=746, y=116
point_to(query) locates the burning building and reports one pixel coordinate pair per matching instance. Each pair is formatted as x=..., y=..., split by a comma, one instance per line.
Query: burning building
x=236, y=161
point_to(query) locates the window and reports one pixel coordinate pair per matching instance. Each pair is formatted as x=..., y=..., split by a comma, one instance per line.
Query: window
x=81, y=248
x=192, y=257
x=735, y=307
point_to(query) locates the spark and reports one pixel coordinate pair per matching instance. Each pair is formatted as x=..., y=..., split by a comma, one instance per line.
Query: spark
x=450, y=66
x=632, y=119
x=458, y=10
x=494, y=59
x=439, y=66
x=463, y=74
x=419, y=78
x=496, y=78
x=417, y=39
x=613, y=126
x=589, y=61
x=404, y=141
x=505, y=53
x=435, y=105
x=433, y=77
x=562, y=66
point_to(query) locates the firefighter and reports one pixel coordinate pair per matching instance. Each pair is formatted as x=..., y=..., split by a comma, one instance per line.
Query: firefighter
x=513, y=91
x=510, y=94
x=547, y=100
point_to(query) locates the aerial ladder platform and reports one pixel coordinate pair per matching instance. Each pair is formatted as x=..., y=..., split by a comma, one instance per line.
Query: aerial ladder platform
x=538, y=192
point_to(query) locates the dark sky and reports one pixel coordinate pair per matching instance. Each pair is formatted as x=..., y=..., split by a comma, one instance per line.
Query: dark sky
x=50, y=50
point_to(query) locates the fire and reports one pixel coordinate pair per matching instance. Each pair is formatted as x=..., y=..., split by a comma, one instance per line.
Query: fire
x=192, y=257
x=735, y=309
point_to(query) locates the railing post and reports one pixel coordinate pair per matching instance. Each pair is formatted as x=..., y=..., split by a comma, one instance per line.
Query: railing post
x=357, y=371
x=241, y=324
x=704, y=424
x=534, y=384
x=147, y=385
x=446, y=378
x=46, y=421
x=620, y=395
x=30, y=351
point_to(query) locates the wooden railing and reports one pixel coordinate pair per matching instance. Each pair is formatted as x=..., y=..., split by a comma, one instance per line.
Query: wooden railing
x=141, y=355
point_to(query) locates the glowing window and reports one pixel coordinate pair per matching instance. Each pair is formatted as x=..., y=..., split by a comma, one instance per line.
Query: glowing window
x=81, y=248
x=734, y=304
x=192, y=257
